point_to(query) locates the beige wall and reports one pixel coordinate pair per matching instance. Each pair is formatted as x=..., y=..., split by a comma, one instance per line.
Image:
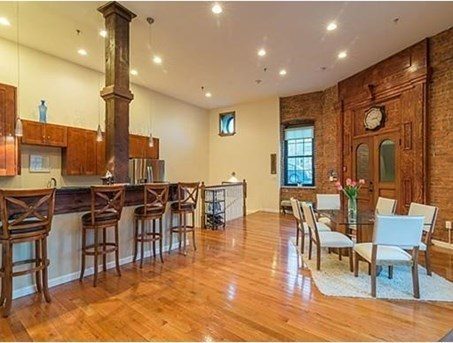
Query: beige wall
x=71, y=92
x=248, y=151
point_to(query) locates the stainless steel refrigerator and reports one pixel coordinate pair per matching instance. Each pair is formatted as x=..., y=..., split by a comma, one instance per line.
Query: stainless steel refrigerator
x=142, y=170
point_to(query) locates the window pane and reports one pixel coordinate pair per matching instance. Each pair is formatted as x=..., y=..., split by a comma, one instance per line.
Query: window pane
x=299, y=132
x=227, y=123
x=299, y=171
x=387, y=161
x=363, y=162
x=299, y=156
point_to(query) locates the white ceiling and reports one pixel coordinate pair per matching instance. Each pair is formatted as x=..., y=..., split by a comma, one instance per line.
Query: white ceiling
x=219, y=52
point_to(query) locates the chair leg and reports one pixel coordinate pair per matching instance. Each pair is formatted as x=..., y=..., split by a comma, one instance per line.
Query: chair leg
x=142, y=242
x=302, y=241
x=351, y=260
x=340, y=254
x=154, y=236
x=415, y=280
x=39, y=261
x=179, y=231
x=96, y=245
x=373, y=280
x=117, y=251
x=8, y=279
x=193, y=232
x=318, y=257
x=390, y=272
x=104, y=247
x=135, y=240
x=185, y=233
x=82, y=269
x=171, y=233
x=45, y=274
x=428, y=262
x=356, y=264
x=310, y=248
x=161, y=238
x=2, y=294
x=297, y=234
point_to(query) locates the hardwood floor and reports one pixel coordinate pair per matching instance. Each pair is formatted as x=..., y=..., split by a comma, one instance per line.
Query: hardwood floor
x=242, y=284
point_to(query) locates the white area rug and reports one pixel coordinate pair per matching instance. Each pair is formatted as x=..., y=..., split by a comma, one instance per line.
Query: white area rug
x=335, y=279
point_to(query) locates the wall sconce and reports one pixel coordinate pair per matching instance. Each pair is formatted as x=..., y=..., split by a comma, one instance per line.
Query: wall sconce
x=233, y=178
x=333, y=176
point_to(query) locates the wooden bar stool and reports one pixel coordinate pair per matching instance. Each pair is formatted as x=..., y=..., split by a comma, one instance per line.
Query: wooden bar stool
x=106, y=207
x=155, y=202
x=26, y=216
x=186, y=204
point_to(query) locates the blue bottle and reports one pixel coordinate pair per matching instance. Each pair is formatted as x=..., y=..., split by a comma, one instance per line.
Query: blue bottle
x=43, y=112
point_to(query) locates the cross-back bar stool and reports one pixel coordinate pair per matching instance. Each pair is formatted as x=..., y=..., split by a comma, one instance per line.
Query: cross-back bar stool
x=185, y=205
x=26, y=216
x=106, y=207
x=155, y=202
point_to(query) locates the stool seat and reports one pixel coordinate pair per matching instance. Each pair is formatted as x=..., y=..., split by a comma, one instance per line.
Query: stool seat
x=103, y=218
x=151, y=211
x=175, y=207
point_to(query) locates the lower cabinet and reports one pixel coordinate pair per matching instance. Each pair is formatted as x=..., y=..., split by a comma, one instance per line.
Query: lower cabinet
x=80, y=157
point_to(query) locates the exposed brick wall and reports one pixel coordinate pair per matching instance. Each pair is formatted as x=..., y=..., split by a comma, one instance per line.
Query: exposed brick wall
x=440, y=127
x=321, y=108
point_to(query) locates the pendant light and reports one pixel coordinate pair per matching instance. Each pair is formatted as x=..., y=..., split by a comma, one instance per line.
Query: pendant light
x=19, y=131
x=150, y=139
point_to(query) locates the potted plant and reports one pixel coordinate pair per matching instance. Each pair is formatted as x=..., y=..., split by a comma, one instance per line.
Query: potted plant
x=351, y=190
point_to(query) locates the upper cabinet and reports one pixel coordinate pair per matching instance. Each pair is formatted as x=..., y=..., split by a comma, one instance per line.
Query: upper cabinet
x=9, y=147
x=81, y=154
x=36, y=133
x=139, y=147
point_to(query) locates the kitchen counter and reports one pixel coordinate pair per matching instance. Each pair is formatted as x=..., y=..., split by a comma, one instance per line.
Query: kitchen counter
x=78, y=198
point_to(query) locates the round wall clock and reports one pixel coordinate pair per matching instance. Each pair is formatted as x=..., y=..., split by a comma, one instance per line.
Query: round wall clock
x=374, y=118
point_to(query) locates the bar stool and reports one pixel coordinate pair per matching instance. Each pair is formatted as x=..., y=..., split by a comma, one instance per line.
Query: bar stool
x=186, y=204
x=106, y=207
x=155, y=201
x=26, y=216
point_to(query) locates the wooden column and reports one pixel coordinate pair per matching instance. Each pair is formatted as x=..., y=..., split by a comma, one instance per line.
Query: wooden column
x=116, y=92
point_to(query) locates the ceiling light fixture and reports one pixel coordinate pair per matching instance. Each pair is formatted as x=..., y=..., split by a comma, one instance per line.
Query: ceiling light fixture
x=208, y=94
x=282, y=72
x=4, y=21
x=82, y=52
x=342, y=54
x=332, y=26
x=261, y=52
x=157, y=60
x=216, y=9
x=134, y=72
x=103, y=33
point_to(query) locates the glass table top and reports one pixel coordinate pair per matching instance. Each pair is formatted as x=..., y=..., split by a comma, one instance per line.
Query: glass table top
x=341, y=217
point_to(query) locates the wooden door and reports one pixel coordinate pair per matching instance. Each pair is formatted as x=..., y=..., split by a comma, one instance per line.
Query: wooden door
x=386, y=166
x=34, y=133
x=55, y=135
x=74, y=156
x=363, y=168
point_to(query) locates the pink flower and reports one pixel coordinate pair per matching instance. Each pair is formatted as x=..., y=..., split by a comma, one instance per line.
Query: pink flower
x=339, y=187
x=348, y=182
x=353, y=183
x=362, y=181
x=337, y=184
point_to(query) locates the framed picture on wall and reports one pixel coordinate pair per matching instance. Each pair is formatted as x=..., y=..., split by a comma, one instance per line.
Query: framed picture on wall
x=39, y=164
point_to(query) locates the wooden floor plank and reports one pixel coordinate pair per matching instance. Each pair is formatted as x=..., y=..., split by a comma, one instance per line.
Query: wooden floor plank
x=245, y=283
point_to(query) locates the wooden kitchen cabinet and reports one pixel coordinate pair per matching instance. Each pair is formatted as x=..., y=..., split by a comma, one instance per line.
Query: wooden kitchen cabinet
x=139, y=147
x=36, y=133
x=9, y=145
x=80, y=155
x=153, y=152
x=101, y=167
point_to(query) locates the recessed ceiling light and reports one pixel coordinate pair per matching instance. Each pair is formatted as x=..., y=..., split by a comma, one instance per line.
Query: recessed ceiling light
x=216, y=9
x=82, y=52
x=342, y=54
x=208, y=95
x=134, y=72
x=4, y=21
x=157, y=60
x=261, y=52
x=332, y=26
x=282, y=72
x=103, y=33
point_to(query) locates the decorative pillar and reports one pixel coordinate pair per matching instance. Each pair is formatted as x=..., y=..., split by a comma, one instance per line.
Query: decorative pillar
x=116, y=92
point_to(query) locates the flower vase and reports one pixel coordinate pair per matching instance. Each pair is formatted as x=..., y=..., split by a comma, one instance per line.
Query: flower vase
x=43, y=112
x=352, y=208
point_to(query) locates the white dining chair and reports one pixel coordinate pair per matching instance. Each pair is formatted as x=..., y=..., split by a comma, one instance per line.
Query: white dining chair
x=430, y=214
x=389, y=234
x=385, y=206
x=327, y=202
x=324, y=239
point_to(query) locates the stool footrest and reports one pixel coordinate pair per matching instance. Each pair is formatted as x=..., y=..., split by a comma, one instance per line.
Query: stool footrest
x=89, y=249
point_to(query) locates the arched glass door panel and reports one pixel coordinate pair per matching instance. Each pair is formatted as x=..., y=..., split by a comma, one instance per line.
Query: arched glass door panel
x=387, y=161
x=363, y=162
